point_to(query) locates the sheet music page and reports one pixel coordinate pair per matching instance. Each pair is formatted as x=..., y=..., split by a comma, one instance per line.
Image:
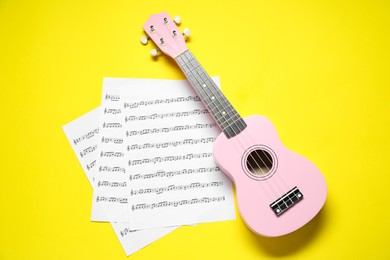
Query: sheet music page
x=82, y=134
x=168, y=138
x=110, y=199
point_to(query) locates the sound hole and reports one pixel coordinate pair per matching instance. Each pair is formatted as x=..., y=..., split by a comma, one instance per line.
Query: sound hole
x=259, y=162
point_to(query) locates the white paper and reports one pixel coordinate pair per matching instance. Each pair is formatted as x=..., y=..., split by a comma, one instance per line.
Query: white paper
x=168, y=138
x=82, y=134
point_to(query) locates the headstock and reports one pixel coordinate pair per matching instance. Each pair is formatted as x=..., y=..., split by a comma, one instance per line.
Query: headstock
x=165, y=34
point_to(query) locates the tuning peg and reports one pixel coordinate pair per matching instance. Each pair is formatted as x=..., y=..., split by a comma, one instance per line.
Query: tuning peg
x=154, y=52
x=177, y=19
x=144, y=40
x=186, y=32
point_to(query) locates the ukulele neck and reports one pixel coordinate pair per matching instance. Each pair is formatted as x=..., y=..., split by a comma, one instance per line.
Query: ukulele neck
x=227, y=118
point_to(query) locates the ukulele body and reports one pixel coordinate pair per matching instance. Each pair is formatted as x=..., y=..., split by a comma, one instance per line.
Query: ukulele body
x=278, y=191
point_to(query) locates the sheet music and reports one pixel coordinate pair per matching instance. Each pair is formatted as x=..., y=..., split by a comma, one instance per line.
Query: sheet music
x=110, y=192
x=168, y=138
x=82, y=134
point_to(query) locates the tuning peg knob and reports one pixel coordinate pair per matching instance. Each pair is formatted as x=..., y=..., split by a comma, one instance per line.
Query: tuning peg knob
x=154, y=52
x=177, y=19
x=186, y=32
x=144, y=40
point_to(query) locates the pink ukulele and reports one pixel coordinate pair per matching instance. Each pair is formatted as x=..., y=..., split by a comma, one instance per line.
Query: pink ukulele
x=278, y=191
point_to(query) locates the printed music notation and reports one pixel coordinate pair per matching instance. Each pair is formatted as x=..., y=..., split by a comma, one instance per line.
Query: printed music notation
x=127, y=231
x=169, y=158
x=111, y=184
x=91, y=165
x=161, y=190
x=170, y=129
x=169, y=174
x=177, y=203
x=130, y=240
x=168, y=138
x=111, y=169
x=88, y=135
x=161, y=101
x=112, y=140
x=111, y=154
x=110, y=162
x=112, y=125
x=88, y=150
x=111, y=97
x=168, y=144
x=111, y=199
x=113, y=111
x=166, y=115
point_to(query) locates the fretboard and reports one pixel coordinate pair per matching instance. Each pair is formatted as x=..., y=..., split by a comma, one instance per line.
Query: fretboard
x=230, y=122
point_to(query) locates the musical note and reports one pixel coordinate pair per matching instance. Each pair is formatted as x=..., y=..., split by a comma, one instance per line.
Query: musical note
x=171, y=144
x=112, y=140
x=166, y=115
x=111, y=154
x=160, y=190
x=113, y=111
x=169, y=174
x=111, y=199
x=169, y=158
x=161, y=101
x=111, y=169
x=126, y=231
x=88, y=135
x=111, y=184
x=177, y=203
x=112, y=97
x=112, y=125
x=169, y=129
x=88, y=150
x=91, y=165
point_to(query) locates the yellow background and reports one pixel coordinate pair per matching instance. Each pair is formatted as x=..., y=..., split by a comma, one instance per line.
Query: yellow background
x=319, y=70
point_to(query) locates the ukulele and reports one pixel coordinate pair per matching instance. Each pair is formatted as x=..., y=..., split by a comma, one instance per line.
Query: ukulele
x=277, y=190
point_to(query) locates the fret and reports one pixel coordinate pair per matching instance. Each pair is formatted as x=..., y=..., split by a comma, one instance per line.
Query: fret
x=224, y=116
x=232, y=130
x=219, y=107
x=218, y=101
x=231, y=120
